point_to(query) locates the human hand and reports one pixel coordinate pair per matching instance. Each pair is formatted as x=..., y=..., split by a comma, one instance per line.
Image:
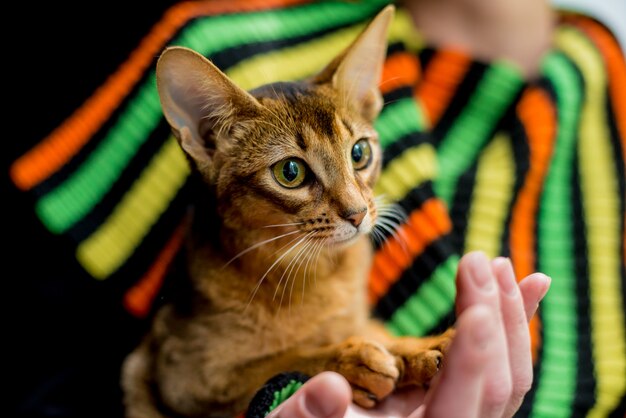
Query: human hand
x=487, y=370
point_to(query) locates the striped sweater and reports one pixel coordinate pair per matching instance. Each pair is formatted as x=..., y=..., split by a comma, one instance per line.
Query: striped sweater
x=479, y=159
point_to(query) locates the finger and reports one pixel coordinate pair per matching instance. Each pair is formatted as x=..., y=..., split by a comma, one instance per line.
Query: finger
x=516, y=332
x=477, y=284
x=533, y=289
x=459, y=389
x=326, y=395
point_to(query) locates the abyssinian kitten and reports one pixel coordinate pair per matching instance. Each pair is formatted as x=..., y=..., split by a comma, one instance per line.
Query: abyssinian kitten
x=279, y=282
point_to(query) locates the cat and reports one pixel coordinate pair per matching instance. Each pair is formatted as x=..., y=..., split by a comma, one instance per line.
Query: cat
x=278, y=252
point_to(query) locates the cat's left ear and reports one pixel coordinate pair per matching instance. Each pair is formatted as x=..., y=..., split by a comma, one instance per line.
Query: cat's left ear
x=202, y=105
x=357, y=71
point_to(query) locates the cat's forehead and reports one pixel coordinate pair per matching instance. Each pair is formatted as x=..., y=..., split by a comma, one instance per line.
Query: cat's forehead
x=290, y=91
x=304, y=108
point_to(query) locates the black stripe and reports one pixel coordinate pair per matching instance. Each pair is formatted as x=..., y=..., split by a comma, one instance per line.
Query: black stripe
x=426, y=55
x=464, y=91
x=395, y=149
x=96, y=217
x=460, y=207
x=620, y=410
x=521, y=158
x=395, y=95
x=549, y=89
x=412, y=279
x=584, y=394
x=413, y=200
x=446, y=322
x=395, y=47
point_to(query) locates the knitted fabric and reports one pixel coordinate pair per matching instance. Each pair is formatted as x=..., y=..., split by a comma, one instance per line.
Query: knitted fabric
x=477, y=157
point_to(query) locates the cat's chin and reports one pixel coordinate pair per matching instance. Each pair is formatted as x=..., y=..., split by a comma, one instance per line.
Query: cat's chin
x=341, y=242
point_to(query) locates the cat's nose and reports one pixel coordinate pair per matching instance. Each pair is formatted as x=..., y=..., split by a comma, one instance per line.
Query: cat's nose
x=356, y=216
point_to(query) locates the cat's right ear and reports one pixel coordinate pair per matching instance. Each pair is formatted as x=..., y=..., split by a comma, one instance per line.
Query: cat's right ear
x=201, y=104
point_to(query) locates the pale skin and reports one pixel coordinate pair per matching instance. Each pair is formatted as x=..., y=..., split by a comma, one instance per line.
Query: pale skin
x=488, y=368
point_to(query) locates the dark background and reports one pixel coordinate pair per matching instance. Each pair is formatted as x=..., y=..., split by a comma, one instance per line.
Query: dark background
x=65, y=335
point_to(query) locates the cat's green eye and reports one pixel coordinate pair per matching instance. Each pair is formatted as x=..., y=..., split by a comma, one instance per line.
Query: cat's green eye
x=289, y=173
x=361, y=154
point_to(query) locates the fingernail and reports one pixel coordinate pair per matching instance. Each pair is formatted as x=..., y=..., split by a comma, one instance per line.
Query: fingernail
x=505, y=276
x=546, y=286
x=480, y=271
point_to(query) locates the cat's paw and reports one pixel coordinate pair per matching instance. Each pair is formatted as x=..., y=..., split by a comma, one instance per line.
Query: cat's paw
x=443, y=341
x=418, y=359
x=418, y=368
x=371, y=370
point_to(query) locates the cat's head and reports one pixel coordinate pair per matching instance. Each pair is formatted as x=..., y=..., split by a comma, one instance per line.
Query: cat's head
x=300, y=154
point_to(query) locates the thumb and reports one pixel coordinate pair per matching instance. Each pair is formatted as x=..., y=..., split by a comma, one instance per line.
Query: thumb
x=326, y=395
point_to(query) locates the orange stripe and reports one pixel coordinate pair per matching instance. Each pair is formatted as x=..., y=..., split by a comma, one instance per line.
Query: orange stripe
x=538, y=115
x=138, y=299
x=440, y=81
x=400, y=70
x=423, y=226
x=64, y=142
x=616, y=69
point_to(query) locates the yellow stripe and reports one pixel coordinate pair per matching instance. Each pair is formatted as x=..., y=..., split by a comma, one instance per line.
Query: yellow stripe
x=598, y=179
x=491, y=198
x=110, y=245
x=303, y=60
x=407, y=171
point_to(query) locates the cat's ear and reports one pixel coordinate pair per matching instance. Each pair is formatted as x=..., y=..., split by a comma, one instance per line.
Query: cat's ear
x=357, y=71
x=200, y=102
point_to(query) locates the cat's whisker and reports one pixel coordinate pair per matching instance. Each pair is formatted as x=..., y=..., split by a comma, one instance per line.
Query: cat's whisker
x=279, y=225
x=289, y=270
x=295, y=277
x=394, y=209
x=257, y=245
x=305, y=240
x=278, y=260
x=306, y=267
x=389, y=210
x=389, y=80
x=390, y=101
x=390, y=218
x=394, y=230
x=377, y=236
x=319, y=253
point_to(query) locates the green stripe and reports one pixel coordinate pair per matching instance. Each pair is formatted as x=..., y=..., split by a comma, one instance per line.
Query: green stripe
x=60, y=209
x=458, y=149
x=284, y=393
x=429, y=305
x=398, y=119
x=557, y=381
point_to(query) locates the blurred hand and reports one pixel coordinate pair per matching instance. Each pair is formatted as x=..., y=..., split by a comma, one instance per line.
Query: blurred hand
x=487, y=370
